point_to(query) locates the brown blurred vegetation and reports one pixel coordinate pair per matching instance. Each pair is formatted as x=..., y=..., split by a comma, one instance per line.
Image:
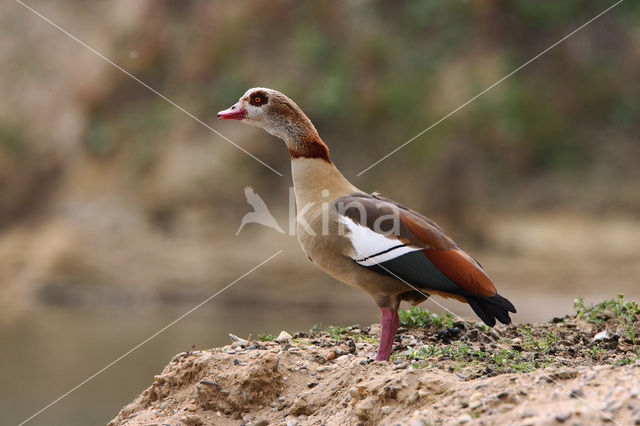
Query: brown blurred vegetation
x=103, y=183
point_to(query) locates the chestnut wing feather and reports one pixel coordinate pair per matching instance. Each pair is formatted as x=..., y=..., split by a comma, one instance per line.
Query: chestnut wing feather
x=433, y=260
x=415, y=250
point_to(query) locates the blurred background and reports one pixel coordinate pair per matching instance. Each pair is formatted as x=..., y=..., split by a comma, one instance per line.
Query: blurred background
x=118, y=212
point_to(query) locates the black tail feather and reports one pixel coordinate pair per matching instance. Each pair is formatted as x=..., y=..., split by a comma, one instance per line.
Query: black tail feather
x=488, y=308
x=486, y=317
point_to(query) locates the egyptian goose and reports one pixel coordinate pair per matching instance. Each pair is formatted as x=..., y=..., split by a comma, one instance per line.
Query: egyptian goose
x=367, y=241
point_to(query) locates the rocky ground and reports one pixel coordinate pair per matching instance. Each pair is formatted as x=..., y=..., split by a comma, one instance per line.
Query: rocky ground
x=581, y=369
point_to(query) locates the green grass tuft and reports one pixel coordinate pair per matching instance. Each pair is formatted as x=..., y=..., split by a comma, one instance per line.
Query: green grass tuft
x=266, y=337
x=335, y=331
x=626, y=312
x=416, y=316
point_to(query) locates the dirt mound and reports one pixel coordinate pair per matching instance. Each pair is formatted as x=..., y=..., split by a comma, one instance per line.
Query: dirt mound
x=581, y=369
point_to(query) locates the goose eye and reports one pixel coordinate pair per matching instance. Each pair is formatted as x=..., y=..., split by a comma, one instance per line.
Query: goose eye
x=258, y=99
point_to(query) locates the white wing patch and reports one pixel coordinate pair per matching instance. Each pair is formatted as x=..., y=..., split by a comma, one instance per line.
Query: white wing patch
x=371, y=248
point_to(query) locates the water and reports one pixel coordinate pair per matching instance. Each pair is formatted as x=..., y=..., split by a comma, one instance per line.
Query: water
x=50, y=351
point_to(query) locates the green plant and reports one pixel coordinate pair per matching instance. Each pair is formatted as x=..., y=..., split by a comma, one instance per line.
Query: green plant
x=482, y=326
x=365, y=338
x=336, y=331
x=465, y=354
x=532, y=343
x=301, y=343
x=445, y=321
x=416, y=316
x=266, y=337
x=550, y=339
x=595, y=313
x=626, y=312
x=595, y=352
x=11, y=139
x=518, y=361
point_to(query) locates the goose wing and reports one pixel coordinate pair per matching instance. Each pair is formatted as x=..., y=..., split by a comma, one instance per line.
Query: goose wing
x=390, y=239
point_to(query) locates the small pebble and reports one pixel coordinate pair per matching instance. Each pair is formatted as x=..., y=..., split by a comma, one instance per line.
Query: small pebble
x=576, y=393
x=603, y=335
x=605, y=418
x=528, y=413
x=475, y=400
x=461, y=376
x=464, y=419
x=283, y=337
x=561, y=417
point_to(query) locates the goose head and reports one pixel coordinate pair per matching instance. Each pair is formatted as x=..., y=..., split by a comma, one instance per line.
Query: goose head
x=271, y=111
x=281, y=117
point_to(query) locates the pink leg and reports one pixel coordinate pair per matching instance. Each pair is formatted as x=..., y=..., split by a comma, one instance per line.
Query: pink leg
x=389, y=321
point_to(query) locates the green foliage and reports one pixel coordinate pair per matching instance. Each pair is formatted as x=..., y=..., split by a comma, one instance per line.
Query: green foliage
x=457, y=350
x=537, y=344
x=416, y=316
x=377, y=74
x=482, y=326
x=518, y=361
x=266, y=337
x=11, y=139
x=464, y=354
x=315, y=329
x=547, y=13
x=626, y=312
x=301, y=343
x=335, y=331
x=366, y=338
x=596, y=352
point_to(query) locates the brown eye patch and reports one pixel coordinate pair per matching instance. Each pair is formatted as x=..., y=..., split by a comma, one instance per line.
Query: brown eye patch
x=258, y=98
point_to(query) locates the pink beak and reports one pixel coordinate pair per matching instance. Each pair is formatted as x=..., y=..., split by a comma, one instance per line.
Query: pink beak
x=236, y=112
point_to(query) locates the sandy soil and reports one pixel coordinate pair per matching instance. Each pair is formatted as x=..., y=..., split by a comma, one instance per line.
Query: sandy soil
x=567, y=371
